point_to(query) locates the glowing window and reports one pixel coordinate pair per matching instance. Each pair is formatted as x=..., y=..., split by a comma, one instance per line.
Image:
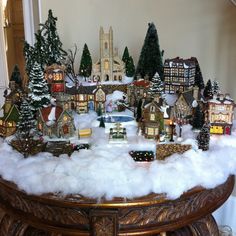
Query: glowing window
x=152, y=117
x=106, y=64
x=65, y=118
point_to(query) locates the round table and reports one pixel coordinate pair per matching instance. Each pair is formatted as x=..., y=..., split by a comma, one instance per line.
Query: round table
x=22, y=214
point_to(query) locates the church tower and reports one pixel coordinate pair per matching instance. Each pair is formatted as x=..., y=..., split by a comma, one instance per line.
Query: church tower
x=109, y=67
x=106, y=54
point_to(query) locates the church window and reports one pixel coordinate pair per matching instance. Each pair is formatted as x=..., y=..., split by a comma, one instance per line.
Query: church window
x=106, y=64
x=106, y=45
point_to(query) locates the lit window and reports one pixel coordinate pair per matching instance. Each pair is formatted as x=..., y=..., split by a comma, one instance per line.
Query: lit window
x=152, y=117
x=81, y=97
x=106, y=64
x=150, y=131
x=65, y=118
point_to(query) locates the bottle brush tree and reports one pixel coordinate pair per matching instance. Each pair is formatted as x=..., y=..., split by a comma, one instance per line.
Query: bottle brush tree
x=203, y=137
x=16, y=76
x=150, y=60
x=198, y=118
x=208, y=91
x=85, y=68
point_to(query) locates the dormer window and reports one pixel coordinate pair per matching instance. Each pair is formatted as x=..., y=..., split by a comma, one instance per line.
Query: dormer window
x=152, y=109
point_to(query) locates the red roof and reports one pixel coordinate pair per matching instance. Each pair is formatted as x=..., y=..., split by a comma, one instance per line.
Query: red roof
x=46, y=111
x=141, y=83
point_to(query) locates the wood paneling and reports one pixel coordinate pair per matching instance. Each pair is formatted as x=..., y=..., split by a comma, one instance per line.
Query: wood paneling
x=14, y=34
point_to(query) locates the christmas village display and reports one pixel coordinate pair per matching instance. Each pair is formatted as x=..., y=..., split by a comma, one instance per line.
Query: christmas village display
x=160, y=98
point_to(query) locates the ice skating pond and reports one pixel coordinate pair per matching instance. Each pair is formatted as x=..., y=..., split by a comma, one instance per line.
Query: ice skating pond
x=111, y=119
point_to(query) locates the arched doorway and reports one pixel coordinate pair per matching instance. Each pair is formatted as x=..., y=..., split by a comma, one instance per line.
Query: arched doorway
x=106, y=77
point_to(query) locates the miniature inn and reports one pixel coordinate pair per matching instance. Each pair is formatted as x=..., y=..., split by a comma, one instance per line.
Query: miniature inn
x=155, y=117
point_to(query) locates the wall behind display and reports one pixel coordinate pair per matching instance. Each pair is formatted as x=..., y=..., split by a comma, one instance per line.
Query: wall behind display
x=205, y=29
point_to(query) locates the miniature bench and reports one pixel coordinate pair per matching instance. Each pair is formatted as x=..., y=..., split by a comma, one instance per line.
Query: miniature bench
x=85, y=133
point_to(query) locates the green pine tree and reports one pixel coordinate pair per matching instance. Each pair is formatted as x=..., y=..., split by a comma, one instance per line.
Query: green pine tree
x=129, y=67
x=16, y=76
x=55, y=53
x=198, y=118
x=99, y=110
x=102, y=123
x=38, y=88
x=85, y=68
x=150, y=60
x=208, y=91
x=40, y=49
x=198, y=76
x=125, y=56
x=29, y=57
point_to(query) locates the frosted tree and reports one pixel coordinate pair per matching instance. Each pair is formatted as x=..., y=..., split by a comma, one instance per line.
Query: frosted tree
x=38, y=88
x=203, y=137
x=215, y=87
x=150, y=60
x=55, y=53
x=156, y=86
x=26, y=123
x=85, y=68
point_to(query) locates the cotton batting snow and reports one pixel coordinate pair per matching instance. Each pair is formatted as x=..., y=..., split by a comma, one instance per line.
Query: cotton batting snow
x=108, y=171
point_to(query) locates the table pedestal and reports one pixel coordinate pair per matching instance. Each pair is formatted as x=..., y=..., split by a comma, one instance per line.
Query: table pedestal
x=53, y=215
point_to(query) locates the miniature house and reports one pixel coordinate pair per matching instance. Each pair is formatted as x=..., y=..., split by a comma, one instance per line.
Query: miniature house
x=84, y=98
x=55, y=122
x=8, y=123
x=220, y=113
x=185, y=103
x=55, y=76
x=137, y=90
x=152, y=120
x=109, y=67
x=179, y=74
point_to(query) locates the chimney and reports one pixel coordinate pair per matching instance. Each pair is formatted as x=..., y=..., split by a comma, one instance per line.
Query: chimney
x=221, y=97
x=157, y=98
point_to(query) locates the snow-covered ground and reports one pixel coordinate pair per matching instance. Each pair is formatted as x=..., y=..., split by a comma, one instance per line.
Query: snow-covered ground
x=108, y=170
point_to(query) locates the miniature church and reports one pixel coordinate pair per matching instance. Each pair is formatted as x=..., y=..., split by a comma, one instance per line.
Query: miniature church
x=109, y=67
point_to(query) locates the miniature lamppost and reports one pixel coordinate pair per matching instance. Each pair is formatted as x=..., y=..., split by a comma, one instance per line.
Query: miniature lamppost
x=172, y=126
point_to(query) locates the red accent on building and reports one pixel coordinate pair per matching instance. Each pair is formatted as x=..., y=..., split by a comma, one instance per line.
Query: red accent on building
x=57, y=88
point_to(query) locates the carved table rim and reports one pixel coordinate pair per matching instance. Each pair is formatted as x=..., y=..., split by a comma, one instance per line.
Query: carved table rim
x=77, y=215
